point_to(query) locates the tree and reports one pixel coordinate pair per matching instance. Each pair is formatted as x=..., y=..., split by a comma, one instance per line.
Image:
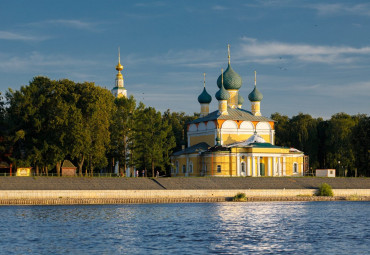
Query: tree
x=282, y=129
x=361, y=144
x=52, y=120
x=340, y=151
x=121, y=131
x=152, y=139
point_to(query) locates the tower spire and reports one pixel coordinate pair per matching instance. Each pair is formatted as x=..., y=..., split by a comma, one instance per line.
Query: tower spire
x=119, y=89
x=222, y=77
x=255, y=78
x=228, y=53
x=204, y=80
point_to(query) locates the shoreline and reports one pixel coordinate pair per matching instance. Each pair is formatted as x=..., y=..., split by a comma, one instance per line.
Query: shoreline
x=105, y=201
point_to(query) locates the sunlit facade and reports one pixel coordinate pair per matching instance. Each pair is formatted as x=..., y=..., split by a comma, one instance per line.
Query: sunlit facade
x=233, y=141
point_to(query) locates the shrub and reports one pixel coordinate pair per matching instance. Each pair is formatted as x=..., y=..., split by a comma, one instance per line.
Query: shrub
x=240, y=197
x=354, y=197
x=325, y=190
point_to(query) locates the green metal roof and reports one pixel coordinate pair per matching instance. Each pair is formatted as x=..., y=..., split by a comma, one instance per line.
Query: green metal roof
x=232, y=80
x=222, y=94
x=199, y=147
x=233, y=114
x=204, y=97
x=255, y=95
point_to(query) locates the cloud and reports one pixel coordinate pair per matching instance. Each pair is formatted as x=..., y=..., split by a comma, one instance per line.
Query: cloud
x=6, y=35
x=303, y=52
x=219, y=8
x=36, y=62
x=342, y=9
x=73, y=23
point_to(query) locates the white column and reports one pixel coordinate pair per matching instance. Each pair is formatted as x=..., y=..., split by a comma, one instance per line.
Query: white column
x=284, y=166
x=273, y=166
x=269, y=170
x=253, y=166
x=248, y=166
x=238, y=165
x=258, y=167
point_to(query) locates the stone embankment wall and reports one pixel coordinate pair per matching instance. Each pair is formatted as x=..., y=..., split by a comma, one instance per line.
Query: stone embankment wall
x=44, y=190
x=168, y=196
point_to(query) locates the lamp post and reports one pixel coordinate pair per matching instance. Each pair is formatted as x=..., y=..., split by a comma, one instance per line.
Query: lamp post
x=339, y=168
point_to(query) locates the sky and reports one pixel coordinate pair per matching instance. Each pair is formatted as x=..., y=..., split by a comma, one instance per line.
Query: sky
x=310, y=56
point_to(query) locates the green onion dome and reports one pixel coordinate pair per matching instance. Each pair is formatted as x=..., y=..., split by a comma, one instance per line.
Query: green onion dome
x=232, y=80
x=255, y=95
x=240, y=99
x=222, y=94
x=204, y=98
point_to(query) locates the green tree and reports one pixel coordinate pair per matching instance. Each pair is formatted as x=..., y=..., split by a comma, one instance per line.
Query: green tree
x=121, y=131
x=361, y=144
x=340, y=151
x=152, y=139
x=282, y=129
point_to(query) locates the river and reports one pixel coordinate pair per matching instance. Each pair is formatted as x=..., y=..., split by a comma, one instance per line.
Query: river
x=341, y=227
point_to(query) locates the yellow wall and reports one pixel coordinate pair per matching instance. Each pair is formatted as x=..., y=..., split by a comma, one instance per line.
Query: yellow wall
x=233, y=100
x=266, y=137
x=229, y=163
x=209, y=139
x=232, y=138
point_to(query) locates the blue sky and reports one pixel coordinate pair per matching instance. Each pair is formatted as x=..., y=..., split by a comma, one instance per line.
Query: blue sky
x=310, y=56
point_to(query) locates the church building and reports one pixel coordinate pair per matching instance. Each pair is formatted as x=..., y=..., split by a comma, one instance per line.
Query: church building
x=232, y=141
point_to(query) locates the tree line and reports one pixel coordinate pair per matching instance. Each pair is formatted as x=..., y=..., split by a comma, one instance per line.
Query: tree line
x=341, y=143
x=48, y=121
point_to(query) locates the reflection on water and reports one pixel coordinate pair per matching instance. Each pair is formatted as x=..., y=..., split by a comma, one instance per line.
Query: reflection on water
x=226, y=228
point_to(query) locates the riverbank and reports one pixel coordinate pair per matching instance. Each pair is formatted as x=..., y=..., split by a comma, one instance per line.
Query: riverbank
x=76, y=190
x=101, y=201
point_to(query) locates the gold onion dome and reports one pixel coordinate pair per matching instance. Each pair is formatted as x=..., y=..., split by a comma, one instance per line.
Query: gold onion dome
x=119, y=67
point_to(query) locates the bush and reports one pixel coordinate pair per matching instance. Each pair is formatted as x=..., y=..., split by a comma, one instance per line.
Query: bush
x=325, y=190
x=240, y=197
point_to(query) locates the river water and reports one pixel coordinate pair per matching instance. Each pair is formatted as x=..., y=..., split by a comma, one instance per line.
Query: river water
x=198, y=228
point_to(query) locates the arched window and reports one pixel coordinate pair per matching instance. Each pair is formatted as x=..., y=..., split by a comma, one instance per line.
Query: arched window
x=191, y=167
x=177, y=167
x=295, y=167
x=183, y=168
x=242, y=167
x=218, y=168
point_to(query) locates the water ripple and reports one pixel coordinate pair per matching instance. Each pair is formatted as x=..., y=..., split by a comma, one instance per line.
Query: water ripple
x=218, y=228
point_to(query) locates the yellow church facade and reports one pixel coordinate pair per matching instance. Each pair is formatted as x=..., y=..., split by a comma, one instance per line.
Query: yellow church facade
x=233, y=141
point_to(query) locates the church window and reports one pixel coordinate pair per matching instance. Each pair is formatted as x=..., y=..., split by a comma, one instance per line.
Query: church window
x=243, y=167
x=183, y=168
x=191, y=167
x=218, y=168
x=295, y=168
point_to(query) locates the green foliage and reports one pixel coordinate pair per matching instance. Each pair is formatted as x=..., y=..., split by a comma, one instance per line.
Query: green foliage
x=240, y=197
x=340, y=143
x=59, y=119
x=152, y=139
x=325, y=190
